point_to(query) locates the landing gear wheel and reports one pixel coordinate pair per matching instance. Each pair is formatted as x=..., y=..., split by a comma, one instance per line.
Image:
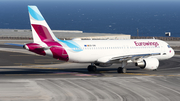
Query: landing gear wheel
x=155, y=70
x=121, y=70
x=92, y=68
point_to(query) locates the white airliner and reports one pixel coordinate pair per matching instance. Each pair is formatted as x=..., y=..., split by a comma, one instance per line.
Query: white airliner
x=145, y=53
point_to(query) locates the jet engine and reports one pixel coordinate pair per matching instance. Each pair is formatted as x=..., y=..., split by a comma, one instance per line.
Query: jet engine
x=148, y=64
x=103, y=64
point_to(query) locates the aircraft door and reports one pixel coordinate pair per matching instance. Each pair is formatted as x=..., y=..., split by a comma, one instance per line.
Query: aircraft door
x=163, y=52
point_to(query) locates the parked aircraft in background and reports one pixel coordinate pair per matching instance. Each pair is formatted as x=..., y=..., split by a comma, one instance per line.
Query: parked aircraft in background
x=145, y=53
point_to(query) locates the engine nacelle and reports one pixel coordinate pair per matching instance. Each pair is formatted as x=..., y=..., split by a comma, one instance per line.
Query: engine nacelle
x=103, y=64
x=148, y=64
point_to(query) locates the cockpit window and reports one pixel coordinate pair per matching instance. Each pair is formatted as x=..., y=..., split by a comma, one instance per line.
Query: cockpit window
x=168, y=46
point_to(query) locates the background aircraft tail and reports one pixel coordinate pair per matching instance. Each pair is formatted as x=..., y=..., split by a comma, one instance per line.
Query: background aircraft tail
x=40, y=30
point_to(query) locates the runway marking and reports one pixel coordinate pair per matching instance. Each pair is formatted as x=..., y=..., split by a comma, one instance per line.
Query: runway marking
x=82, y=75
x=173, y=75
x=48, y=68
x=140, y=74
x=102, y=72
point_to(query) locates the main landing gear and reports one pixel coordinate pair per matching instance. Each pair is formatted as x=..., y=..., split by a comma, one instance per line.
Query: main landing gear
x=92, y=68
x=121, y=70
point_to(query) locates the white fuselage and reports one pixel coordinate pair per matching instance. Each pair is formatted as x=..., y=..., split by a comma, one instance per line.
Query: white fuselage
x=92, y=50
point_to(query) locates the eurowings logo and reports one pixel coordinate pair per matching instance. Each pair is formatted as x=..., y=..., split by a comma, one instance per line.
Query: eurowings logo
x=146, y=43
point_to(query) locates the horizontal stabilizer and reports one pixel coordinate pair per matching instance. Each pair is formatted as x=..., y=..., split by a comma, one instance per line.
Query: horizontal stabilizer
x=19, y=45
x=46, y=47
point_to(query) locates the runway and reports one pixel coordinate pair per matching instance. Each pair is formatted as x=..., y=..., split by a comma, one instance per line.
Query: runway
x=26, y=76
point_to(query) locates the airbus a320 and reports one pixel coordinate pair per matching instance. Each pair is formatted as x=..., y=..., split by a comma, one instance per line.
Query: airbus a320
x=144, y=53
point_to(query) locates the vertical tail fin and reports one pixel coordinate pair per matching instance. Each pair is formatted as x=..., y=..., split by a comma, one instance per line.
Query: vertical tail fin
x=40, y=30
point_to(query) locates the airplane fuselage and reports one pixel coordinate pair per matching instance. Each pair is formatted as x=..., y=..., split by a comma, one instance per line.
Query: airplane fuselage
x=89, y=51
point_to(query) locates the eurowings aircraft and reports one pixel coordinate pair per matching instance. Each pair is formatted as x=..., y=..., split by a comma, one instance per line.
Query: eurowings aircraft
x=144, y=53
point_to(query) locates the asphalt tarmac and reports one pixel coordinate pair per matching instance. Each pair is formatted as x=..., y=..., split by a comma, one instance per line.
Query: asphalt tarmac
x=30, y=77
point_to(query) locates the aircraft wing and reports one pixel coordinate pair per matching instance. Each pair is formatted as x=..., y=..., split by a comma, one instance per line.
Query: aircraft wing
x=133, y=58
